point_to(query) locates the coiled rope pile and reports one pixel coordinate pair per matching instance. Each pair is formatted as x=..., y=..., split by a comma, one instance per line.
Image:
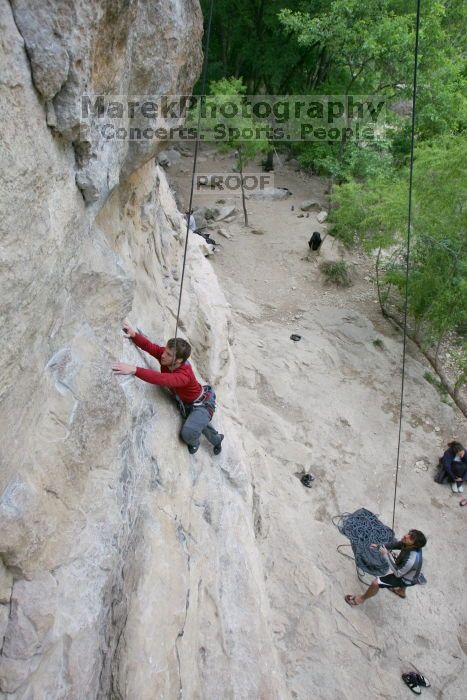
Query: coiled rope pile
x=363, y=528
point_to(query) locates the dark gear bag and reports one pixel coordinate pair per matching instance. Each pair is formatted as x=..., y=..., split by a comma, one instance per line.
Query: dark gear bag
x=441, y=476
x=419, y=579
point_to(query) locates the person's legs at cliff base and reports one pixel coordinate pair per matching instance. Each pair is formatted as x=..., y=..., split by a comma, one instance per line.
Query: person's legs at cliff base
x=393, y=583
x=197, y=423
x=371, y=591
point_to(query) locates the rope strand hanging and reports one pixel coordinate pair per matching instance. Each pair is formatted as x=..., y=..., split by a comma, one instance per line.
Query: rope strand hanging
x=407, y=259
x=195, y=158
x=363, y=528
x=409, y=223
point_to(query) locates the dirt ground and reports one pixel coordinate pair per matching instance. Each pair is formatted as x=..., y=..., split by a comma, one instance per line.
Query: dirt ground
x=330, y=404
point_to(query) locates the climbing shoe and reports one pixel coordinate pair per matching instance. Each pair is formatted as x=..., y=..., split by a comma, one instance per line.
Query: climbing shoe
x=218, y=448
x=307, y=480
x=192, y=449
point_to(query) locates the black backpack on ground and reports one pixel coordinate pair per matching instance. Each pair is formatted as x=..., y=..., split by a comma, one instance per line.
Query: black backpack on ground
x=315, y=241
x=441, y=476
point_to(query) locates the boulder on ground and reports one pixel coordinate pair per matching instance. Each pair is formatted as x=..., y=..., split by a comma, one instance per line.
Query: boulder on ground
x=200, y=219
x=271, y=194
x=226, y=213
x=168, y=158
x=183, y=150
x=206, y=248
x=310, y=205
x=224, y=232
x=209, y=213
x=322, y=216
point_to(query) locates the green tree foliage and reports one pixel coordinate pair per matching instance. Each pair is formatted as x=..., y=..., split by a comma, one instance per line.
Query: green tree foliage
x=369, y=45
x=371, y=50
x=243, y=132
x=375, y=215
x=338, y=47
x=248, y=41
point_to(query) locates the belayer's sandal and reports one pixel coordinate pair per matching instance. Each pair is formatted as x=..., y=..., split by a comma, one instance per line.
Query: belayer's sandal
x=415, y=681
x=410, y=679
x=422, y=681
x=350, y=600
x=399, y=595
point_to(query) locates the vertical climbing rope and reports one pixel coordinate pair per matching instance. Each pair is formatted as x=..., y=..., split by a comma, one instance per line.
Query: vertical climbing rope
x=409, y=225
x=195, y=158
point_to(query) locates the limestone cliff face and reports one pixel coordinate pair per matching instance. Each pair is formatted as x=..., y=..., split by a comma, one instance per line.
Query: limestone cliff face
x=127, y=569
x=122, y=49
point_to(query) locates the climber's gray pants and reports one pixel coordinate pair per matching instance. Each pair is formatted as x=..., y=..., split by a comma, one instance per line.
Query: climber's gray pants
x=199, y=421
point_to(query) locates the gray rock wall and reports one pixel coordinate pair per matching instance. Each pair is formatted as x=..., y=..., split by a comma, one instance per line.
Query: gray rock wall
x=127, y=570
x=123, y=49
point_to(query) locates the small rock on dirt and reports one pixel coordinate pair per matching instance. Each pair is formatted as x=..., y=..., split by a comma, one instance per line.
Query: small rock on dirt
x=224, y=232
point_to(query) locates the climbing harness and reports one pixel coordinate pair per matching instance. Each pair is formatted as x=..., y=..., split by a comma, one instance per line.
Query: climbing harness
x=207, y=398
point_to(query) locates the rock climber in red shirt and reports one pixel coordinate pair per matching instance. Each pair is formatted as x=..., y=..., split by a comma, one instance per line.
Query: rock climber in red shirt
x=197, y=403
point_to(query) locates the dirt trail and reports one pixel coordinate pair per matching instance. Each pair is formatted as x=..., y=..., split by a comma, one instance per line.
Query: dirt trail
x=330, y=403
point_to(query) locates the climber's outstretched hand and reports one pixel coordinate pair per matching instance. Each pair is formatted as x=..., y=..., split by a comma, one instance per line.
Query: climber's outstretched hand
x=128, y=329
x=123, y=368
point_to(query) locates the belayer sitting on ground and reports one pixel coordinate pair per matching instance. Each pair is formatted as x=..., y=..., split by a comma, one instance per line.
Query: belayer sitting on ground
x=454, y=461
x=196, y=403
x=404, y=571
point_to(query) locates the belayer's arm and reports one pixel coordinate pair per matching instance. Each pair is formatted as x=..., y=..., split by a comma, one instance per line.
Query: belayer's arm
x=142, y=342
x=394, y=545
x=405, y=568
x=172, y=381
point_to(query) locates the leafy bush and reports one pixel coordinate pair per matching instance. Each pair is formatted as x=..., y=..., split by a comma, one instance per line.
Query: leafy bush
x=375, y=215
x=336, y=272
x=360, y=161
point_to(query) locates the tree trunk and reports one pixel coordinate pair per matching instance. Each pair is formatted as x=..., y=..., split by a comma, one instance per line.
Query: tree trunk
x=269, y=162
x=452, y=390
x=240, y=165
x=378, y=285
x=438, y=345
x=318, y=67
